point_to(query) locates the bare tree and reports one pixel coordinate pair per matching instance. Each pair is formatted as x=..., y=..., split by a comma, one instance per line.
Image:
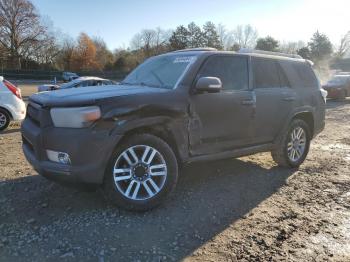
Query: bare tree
x=104, y=57
x=66, y=55
x=291, y=47
x=20, y=28
x=225, y=37
x=136, y=42
x=245, y=36
x=344, y=46
x=150, y=41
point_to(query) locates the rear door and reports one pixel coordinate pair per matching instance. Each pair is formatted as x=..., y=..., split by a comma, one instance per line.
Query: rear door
x=223, y=121
x=274, y=98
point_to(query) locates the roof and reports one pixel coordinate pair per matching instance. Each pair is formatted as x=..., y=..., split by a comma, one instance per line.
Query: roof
x=247, y=52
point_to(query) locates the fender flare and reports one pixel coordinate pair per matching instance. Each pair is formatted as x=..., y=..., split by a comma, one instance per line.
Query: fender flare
x=291, y=116
x=175, y=127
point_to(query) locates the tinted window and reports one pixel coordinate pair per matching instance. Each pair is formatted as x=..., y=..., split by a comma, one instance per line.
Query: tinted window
x=232, y=71
x=306, y=75
x=107, y=82
x=84, y=83
x=265, y=73
x=283, y=78
x=300, y=75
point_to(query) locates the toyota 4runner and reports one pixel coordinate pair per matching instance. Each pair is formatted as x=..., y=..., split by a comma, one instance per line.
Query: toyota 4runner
x=180, y=107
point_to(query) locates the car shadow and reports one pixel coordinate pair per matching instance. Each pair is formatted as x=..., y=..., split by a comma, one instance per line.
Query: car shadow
x=10, y=131
x=210, y=196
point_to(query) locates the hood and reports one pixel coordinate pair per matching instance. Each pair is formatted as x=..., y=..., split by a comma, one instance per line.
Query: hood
x=89, y=95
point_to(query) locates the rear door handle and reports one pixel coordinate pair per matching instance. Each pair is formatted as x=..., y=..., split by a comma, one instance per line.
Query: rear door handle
x=290, y=98
x=248, y=102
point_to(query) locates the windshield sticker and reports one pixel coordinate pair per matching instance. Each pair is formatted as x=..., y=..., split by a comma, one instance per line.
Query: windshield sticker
x=183, y=59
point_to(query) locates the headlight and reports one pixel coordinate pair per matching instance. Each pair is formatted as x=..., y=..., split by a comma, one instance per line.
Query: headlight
x=75, y=117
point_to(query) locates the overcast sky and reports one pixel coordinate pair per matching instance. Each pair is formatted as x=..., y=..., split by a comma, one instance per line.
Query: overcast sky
x=117, y=21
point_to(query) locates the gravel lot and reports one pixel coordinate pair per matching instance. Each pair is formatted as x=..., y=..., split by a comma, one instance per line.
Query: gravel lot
x=240, y=209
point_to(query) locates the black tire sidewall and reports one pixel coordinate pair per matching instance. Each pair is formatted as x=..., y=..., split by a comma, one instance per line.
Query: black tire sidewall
x=118, y=198
x=7, y=119
x=297, y=123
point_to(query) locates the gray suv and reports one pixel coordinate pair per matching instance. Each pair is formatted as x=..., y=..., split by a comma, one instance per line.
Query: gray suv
x=176, y=108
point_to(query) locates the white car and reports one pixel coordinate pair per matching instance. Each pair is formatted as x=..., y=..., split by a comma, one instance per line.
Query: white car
x=79, y=82
x=12, y=106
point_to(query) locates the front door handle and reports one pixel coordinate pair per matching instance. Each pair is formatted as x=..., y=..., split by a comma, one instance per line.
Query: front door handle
x=248, y=102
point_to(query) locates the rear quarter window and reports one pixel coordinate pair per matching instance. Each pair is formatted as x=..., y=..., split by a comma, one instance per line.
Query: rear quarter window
x=300, y=75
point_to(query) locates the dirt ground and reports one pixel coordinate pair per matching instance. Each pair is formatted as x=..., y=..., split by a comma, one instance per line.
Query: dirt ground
x=240, y=209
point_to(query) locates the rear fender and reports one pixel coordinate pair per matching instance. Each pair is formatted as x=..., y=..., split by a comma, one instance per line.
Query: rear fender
x=291, y=116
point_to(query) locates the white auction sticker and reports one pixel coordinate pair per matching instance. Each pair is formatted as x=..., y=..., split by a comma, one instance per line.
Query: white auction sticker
x=183, y=59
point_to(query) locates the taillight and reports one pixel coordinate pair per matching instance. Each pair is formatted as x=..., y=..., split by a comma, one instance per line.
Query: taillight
x=13, y=89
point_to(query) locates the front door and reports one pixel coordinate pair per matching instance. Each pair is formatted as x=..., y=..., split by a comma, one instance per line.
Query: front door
x=223, y=121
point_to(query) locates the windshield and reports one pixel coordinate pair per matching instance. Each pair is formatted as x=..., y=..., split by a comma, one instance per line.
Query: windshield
x=160, y=71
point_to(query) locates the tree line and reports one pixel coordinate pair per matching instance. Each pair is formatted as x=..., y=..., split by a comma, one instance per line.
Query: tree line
x=28, y=42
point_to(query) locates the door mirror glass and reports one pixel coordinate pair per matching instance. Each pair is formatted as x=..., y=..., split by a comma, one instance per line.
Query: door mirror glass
x=209, y=84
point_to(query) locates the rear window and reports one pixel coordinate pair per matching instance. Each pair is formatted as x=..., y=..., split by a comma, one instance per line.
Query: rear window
x=265, y=73
x=300, y=75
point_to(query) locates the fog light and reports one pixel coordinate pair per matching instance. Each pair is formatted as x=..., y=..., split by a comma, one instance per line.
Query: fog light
x=58, y=157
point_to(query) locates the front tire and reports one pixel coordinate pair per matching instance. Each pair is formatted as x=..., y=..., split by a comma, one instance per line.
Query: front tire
x=141, y=174
x=4, y=119
x=293, y=146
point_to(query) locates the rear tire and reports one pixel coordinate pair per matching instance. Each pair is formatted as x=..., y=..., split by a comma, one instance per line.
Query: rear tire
x=291, y=149
x=141, y=174
x=4, y=119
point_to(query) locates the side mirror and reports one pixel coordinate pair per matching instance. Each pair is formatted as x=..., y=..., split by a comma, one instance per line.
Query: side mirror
x=209, y=84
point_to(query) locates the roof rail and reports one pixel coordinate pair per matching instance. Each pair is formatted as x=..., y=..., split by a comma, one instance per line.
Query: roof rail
x=254, y=51
x=196, y=49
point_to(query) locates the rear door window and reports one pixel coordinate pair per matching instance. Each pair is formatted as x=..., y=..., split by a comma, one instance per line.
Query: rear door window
x=265, y=73
x=232, y=71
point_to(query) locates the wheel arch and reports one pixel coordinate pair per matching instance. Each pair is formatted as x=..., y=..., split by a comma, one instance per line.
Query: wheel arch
x=8, y=111
x=172, y=131
x=308, y=117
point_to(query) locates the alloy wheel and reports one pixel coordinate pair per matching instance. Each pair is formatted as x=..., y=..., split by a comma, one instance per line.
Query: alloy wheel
x=296, y=144
x=3, y=120
x=140, y=172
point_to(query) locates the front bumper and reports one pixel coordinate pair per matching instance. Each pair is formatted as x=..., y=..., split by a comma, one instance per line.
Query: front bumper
x=89, y=149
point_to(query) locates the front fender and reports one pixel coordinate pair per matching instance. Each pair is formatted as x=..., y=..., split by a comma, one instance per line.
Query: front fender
x=171, y=122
